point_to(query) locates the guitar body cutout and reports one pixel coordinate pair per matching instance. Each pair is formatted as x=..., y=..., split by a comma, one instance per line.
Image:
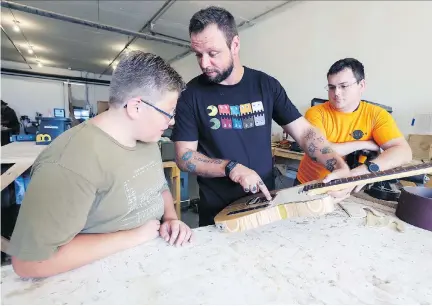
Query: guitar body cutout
x=306, y=200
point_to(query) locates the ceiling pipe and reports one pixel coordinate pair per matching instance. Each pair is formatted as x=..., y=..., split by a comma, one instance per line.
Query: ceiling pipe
x=56, y=77
x=19, y=51
x=148, y=25
x=53, y=15
x=243, y=25
x=179, y=56
x=169, y=36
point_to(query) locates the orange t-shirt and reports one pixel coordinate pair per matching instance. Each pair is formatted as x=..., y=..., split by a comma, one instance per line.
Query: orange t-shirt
x=368, y=122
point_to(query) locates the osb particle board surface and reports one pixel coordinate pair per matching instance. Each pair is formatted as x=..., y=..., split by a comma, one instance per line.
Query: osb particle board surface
x=325, y=260
x=362, y=197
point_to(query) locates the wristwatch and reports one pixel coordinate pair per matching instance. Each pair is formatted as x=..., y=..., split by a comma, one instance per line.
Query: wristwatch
x=228, y=168
x=372, y=167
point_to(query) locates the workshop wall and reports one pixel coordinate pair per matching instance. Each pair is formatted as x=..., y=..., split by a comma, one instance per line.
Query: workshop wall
x=28, y=95
x=298, y=46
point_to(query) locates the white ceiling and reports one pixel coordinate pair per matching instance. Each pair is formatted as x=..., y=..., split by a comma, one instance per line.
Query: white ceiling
x=63, y=44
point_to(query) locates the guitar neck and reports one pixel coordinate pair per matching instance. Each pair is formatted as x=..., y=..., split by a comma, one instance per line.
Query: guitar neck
x=395, y=173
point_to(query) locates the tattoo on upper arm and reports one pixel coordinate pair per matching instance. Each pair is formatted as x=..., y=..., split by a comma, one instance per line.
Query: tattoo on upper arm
x=326, y=150
x=320, y=139
x=330, y=164
x=312, y=148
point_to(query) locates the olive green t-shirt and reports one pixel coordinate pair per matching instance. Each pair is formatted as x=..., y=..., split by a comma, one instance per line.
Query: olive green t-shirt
x=87, y=182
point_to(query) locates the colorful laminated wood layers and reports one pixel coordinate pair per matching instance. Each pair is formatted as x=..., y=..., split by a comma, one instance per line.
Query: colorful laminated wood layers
x=253, y=212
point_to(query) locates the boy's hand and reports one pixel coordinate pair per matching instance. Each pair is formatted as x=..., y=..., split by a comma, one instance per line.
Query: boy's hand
x=175, y=231
x=148, y=231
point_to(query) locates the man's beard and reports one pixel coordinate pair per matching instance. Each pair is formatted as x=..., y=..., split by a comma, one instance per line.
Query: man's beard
x=221, y=76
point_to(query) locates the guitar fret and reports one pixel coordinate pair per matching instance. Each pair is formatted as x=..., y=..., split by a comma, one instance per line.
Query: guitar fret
x=397, y=170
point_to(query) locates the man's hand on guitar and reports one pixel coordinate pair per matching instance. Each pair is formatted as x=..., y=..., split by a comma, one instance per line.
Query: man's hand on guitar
x=249, y=180
x=343, y=194
x=342, y=172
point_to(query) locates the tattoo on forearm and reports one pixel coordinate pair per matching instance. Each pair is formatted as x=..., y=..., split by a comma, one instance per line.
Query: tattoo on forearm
x=326, y=150
x=208, y=160
x=190, y=167
x=312, y=148
x=187, y=156
x=314, y=143
x=330, y=164
x=190, y=155
x=310, y=135
x=187, y=163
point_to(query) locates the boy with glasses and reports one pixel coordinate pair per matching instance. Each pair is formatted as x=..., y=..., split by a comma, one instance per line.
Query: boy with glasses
x=99, y=188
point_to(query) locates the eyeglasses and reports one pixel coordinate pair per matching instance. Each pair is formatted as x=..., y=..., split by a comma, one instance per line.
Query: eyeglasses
x=159, y=110
x=342, y=87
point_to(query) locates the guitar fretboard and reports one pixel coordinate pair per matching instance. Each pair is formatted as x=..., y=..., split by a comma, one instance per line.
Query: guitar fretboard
x=398, y=170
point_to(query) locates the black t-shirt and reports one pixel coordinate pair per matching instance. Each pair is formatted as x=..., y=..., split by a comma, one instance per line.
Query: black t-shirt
x=233, y=122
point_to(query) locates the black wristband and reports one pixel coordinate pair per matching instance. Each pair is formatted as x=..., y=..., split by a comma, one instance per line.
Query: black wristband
x=228, y=168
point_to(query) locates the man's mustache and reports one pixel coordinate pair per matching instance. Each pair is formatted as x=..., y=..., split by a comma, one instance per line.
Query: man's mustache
x=209, y=70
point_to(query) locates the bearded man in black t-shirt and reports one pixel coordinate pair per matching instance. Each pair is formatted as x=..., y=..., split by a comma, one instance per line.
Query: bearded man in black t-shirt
x=224, y=120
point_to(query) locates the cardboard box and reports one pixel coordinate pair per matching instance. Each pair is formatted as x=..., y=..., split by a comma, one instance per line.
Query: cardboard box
x=421, y=146
x=102, y=106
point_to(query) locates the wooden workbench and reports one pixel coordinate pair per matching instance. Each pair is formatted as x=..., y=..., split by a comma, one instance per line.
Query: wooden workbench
x=332, y=259
x=279, y=152
x=23, y=154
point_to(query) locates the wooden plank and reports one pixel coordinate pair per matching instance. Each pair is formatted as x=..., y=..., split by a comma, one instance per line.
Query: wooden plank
x=21, y=151
x=287, y=154
x=175, y=185
x=13, y=173
x=169, y=164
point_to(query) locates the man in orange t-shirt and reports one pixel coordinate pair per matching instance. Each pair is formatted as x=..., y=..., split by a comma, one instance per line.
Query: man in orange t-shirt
x=351, y=124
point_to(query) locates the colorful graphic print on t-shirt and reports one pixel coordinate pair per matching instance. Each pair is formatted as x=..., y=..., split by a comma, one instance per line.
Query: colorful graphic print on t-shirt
x=243, y=116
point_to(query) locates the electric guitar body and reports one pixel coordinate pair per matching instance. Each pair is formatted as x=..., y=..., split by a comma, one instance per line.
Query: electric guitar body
x=306, y=200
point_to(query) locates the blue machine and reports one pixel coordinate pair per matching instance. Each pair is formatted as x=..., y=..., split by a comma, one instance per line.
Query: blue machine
x=23, y=137
x=50, y=128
